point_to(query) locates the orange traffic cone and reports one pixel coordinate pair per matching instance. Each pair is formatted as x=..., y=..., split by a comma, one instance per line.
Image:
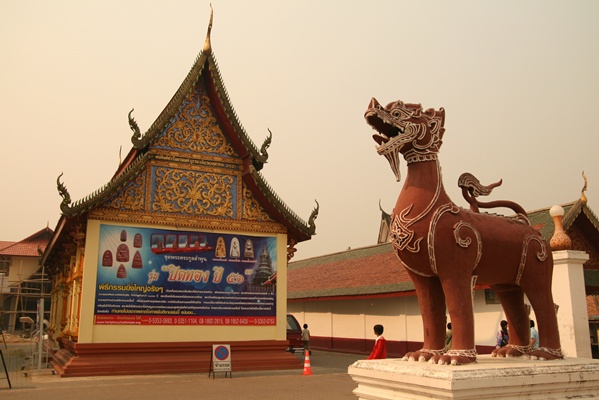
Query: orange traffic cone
x=307, y=368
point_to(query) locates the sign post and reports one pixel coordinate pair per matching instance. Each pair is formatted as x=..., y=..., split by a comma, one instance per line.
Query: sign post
x=40, y=332
x=220, y=360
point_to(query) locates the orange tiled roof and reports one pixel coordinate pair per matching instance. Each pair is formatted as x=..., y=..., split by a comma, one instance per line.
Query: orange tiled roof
x=23, y=249
x=27, y=247
x=373, y=270
x=4, y=244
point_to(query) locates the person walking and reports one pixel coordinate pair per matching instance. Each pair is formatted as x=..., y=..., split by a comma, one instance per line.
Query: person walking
x=380, y=344
x=306, y=339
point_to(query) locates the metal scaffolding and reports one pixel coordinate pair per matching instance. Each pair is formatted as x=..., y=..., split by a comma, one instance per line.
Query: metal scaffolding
x=20, y=300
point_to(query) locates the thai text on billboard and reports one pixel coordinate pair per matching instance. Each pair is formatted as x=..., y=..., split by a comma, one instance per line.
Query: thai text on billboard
x=164, y=277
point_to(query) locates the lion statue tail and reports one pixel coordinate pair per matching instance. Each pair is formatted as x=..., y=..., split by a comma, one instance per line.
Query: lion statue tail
x=472, y=188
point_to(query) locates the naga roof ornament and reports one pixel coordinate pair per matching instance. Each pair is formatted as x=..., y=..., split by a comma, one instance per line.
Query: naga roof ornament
x=135, y=139
x=64, y=193
x=262, y=158
x=90, y=201
x=313, y=216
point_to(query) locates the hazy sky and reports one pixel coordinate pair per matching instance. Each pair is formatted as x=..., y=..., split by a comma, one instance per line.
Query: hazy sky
x=519, y=81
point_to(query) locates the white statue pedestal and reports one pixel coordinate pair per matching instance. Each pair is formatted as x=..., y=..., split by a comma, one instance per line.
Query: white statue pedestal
x=489, y=378
x=569, y=293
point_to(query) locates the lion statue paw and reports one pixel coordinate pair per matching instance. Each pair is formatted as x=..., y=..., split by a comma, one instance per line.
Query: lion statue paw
x=544, y=354
x=455, y=357
x=511, y=350
x=422, y=355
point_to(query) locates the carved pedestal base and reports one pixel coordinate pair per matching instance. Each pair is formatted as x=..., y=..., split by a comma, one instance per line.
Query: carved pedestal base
x=489, y=378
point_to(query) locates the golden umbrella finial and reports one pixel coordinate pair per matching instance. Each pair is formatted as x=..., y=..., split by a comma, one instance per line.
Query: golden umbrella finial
x=207, y=45
x=583, y=198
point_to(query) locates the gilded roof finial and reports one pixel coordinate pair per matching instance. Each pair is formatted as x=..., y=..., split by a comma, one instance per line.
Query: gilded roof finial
x=583, y=198
x=207, y=45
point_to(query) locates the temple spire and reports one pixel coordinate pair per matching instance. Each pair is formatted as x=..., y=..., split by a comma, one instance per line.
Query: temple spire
x=583, y=197
x=207, y=45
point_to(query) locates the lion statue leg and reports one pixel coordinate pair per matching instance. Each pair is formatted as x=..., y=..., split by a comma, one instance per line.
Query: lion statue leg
x=432, y=307
x=538, y=291
x=458, y=290
x=512, y=301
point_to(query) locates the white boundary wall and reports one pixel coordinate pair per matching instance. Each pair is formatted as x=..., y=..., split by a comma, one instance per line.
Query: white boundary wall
x=354, y=319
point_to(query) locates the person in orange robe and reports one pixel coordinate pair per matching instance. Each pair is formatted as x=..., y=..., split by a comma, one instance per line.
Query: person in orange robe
x=380, y=344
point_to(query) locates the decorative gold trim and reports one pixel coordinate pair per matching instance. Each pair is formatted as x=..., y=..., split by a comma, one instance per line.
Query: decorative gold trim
x=131, y=197
x=209, y=165
x=195, y=158
x=252, y=209
x=186, y=222
x=195, y=129
x=193, y=193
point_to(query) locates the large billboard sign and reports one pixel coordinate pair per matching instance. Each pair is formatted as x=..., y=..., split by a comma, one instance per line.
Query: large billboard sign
x=151, y=276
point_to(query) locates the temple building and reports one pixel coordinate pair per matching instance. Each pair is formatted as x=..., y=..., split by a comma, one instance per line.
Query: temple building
x=370, y=286
x=153, y=269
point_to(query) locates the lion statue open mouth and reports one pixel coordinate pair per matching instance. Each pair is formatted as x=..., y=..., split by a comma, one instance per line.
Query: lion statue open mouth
x=407, y=129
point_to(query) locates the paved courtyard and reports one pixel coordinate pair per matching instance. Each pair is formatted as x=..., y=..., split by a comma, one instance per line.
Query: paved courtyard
x=329, y=380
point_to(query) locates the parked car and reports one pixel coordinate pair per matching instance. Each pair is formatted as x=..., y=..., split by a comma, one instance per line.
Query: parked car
x=294, y=334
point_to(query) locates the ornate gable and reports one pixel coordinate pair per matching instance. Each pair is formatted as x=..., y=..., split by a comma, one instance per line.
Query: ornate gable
x=195, y=131
x=194, y=167
x=194, y=177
